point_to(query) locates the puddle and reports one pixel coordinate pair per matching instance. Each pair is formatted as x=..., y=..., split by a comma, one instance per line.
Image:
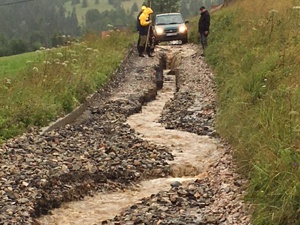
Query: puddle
x=193, y=154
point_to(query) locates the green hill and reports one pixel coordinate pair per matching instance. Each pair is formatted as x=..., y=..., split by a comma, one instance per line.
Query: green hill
x=102, y=6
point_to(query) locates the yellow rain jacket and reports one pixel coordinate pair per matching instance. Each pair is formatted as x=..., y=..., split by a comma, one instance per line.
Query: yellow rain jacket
x=144, y=17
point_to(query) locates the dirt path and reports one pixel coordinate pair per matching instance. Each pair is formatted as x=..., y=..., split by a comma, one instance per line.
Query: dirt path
x=194, y=155
x=139, y=154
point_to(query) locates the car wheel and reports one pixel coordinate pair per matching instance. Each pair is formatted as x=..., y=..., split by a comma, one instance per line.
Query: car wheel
x=184, y=41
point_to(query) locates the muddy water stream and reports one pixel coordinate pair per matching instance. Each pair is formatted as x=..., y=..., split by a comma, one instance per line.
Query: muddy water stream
x=192, y=156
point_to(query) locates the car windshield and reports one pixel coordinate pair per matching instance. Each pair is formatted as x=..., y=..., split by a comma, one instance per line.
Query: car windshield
x=168, y=19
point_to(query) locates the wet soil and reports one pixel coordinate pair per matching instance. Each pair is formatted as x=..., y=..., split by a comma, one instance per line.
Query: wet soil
x=142, y=153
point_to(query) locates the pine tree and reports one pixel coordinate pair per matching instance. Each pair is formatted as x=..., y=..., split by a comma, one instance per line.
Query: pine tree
x=165, y=6
x=84, y=4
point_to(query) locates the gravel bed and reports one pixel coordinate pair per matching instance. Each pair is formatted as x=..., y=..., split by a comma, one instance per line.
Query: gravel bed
x=193, y=107
x=96, y=153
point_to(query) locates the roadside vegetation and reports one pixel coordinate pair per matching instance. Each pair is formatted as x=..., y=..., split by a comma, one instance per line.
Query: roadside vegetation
x=254, y=49
x=39, y=87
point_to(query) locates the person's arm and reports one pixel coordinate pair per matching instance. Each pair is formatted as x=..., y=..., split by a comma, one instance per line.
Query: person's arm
x=143, y=21
x=207, y=24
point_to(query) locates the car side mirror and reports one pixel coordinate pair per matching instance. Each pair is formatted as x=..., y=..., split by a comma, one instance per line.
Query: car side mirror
x=186, y=21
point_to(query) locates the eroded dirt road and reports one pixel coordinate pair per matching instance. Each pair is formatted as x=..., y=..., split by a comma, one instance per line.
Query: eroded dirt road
x=141, y=154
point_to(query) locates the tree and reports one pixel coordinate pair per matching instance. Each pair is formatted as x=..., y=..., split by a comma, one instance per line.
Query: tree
x=75, y=2
x=84, y=4
x=134, y=7
x=18, y=46
x=208, y=4
x=195, y=5
x=97, y=2
x=4, y=45
x=165, y=6
x=184, y=9
x=92, y=17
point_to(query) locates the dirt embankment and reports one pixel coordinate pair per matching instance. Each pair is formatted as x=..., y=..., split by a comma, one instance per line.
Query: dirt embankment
x=157, y=163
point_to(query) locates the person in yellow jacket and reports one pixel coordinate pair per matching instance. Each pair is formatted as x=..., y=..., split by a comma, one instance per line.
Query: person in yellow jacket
x=138, y=25
x=145, y=25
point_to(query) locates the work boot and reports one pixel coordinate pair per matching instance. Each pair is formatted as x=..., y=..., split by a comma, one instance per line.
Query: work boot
x=149, y=52
x=141, y=51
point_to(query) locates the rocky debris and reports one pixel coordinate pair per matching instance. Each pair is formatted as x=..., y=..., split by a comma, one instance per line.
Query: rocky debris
x=193, y=107
x=97, y=153
x=228, y=206
x=215, y=199
x=179, y=205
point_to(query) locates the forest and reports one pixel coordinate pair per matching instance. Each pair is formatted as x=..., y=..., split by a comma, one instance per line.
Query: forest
x=31, y=24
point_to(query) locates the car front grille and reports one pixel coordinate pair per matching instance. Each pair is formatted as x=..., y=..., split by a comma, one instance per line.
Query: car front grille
x=171, y=30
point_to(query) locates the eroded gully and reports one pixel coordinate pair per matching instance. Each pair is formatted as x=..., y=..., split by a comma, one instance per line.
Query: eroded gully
x=193, y=154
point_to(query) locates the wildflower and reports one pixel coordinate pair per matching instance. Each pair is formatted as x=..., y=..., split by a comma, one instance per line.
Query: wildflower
x=253, y=28
x=263, y=86
x=56, y=60
x=35, y=69
x=293, y=113
x=47, y=62
x=273, y=11
x=59, y=54
x=96, y=50
x=7, y=81
x=29, y=62
x=296, y=7
x=42, y=48
x=89, y=49
x=74, y=60
x=64, y=64
x=38, y=52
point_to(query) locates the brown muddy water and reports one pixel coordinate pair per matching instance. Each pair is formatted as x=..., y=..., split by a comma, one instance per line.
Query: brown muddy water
x=192, y=156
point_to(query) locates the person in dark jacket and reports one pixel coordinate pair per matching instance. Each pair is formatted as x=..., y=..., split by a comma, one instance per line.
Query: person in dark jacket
x=203, y=27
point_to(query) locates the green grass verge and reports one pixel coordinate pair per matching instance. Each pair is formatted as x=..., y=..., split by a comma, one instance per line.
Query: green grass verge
x=254, y=52
x=50, y=83
x=11, y=65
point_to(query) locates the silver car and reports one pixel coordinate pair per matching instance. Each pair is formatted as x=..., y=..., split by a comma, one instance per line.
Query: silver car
x=170, y=27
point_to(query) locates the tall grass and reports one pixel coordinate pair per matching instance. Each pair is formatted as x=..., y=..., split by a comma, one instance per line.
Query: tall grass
x=55, y=81
x=254, y=49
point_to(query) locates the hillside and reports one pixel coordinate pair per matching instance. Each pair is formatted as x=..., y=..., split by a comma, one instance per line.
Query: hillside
x=254, y=49
x=102, y=6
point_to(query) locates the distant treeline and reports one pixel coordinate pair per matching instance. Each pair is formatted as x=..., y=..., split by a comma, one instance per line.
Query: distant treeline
x=30, y=25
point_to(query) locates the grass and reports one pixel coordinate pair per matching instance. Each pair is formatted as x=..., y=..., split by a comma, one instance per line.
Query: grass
x=11, y=65
x=103, y=6
x=254, y=50
x=55, y=81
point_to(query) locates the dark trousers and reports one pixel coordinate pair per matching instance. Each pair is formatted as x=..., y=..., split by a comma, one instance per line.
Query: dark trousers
x=203, y=40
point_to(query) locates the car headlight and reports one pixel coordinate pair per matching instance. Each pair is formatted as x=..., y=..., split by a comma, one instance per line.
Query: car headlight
x=159, y=30
x=182, y=29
